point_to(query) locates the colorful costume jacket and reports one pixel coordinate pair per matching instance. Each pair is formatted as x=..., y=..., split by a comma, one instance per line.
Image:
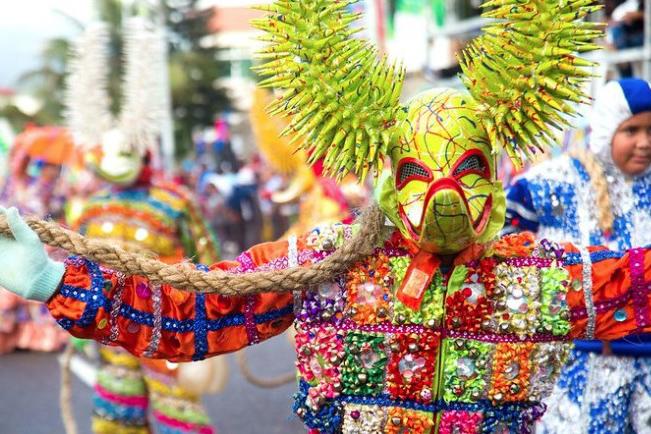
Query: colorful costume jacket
x=159, y=218
x=479, y=356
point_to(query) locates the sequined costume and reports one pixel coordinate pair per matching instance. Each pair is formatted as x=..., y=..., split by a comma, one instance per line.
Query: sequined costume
x=596, y=393
x=159, y=218
x=481, y=353
x=444, y=327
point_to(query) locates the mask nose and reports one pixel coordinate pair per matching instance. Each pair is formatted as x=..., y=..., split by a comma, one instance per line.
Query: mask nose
x=445, y=218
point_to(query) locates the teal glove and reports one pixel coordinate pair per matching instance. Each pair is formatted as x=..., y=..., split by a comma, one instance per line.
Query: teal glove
x=25, y=268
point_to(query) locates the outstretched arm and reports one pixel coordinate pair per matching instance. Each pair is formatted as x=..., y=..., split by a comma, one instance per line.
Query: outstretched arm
x=148, y=320
x=609, y=295
x=163, y=322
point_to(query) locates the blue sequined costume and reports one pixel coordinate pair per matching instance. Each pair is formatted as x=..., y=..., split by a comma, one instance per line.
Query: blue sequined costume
x=596, y=394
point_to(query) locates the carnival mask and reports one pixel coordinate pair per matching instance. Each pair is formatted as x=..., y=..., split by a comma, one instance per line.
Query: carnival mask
x=443, y=194
x=114, y=160
x=444, y=175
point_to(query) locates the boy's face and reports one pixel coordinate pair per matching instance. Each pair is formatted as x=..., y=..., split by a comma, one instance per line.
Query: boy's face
x=631, y=146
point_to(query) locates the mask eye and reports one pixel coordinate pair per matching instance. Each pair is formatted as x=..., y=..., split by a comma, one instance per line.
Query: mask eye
x=473, y=163
x=411, y=170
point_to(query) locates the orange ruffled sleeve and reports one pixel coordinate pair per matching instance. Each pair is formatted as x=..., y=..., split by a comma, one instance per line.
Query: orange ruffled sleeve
x=163, y=322
x=609, y=295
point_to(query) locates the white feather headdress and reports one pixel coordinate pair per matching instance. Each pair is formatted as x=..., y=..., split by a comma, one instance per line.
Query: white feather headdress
x=88, y=104
x=88, y=111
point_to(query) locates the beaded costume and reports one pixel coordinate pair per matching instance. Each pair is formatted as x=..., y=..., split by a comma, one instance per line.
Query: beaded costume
x=481, y=353
x=596, y=393
x=443, y=328
x=160, y=219
x=141, y=214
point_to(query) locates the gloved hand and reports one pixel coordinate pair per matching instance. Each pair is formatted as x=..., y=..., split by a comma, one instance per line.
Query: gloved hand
x=25, y=268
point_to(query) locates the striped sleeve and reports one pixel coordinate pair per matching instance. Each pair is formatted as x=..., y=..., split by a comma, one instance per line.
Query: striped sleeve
x=609, y=292
x=162, y=322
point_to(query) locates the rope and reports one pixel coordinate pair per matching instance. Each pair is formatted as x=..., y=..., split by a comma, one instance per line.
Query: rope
x=185, y=276
x=265, y=383
x=65, y=395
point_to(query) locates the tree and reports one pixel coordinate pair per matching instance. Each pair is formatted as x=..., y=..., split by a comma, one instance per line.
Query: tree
x=47, y=82
x=194, y=70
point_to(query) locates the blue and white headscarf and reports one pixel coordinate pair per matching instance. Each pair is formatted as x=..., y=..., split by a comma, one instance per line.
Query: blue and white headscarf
x=616, y=102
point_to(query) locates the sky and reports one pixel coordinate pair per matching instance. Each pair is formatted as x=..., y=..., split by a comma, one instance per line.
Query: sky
x=24, y=27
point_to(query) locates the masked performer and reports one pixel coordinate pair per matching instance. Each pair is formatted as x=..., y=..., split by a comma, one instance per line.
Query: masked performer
x=440, y=328
x=598, y=196
x=35, y=186
x=141, y=214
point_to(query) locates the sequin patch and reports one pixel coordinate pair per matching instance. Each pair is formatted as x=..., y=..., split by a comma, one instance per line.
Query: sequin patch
x=401, y=420
x=364, y=364
x=368, y=291
x=460, y=422
x=511, y=369
x=363, y=419
x=410, y=373
x=319, y=355
x=466, y=367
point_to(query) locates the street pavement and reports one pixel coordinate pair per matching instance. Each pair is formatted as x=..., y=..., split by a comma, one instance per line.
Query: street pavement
x=30, y=384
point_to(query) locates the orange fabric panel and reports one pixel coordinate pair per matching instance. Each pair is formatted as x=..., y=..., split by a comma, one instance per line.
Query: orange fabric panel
x=611, y=281
x=177, y=305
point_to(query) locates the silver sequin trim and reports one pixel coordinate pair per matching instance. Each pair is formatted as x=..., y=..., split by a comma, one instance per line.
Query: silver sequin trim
x=292, y=253
x=115, y=309
x=292, y=261
x=587, y=293
x=158, y=323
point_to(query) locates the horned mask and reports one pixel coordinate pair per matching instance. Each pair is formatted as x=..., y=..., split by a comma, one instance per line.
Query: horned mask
x=522, y=77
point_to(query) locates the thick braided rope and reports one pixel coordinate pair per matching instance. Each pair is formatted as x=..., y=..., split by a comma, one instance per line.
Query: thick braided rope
x=185, y=276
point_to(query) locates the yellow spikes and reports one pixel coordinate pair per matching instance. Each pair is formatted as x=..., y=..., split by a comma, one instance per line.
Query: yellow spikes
x=525, y=70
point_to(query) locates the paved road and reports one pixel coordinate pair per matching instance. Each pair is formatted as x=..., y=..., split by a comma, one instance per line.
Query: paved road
x=29, y=388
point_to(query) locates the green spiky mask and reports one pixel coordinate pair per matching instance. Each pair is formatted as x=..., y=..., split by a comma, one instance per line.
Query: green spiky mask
x=344, y=103
x=443, y=194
